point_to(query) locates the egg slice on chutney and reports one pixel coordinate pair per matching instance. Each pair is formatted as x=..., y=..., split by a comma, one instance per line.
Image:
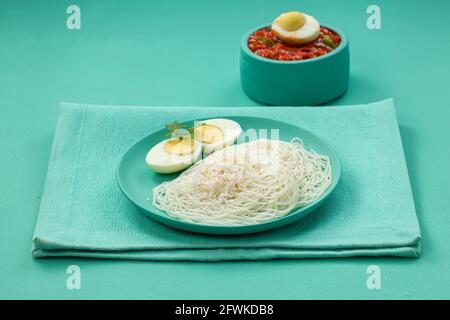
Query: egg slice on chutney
x=296, y=28
x=173, y=155
x=215, y=134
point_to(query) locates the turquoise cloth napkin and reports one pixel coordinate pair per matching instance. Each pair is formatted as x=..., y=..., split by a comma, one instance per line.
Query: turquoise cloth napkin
x=84, y=214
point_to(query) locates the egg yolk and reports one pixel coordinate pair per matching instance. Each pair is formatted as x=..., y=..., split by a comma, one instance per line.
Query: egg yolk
x=180, y=147
x=291, y=21
x=208, y=134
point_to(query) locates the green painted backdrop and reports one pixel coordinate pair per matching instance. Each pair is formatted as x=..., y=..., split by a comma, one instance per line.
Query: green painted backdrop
x=186, y=53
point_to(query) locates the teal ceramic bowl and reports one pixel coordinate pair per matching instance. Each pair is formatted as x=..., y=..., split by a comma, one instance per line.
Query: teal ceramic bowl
x=295, y=83
x=136, y=180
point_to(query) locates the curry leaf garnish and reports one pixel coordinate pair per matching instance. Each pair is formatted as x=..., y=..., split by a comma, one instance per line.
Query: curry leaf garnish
x=177, y=130
x=329, y=42
x=173, y=126
x=268, y=42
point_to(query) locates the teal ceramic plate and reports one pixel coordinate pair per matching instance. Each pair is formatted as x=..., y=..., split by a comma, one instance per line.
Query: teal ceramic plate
x=136, y=180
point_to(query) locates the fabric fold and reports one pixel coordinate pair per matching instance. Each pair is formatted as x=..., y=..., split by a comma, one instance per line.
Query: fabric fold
x=84, y=214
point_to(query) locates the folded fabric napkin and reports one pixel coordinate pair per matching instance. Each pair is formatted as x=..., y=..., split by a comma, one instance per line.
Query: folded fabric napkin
x=83, y=213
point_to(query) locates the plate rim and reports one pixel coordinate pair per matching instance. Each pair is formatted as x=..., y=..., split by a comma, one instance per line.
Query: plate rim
x=163, y=217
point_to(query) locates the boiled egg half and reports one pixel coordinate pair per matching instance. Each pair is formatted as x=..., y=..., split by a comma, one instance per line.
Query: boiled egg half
x=296, y=28
x=215, y=134
x=173, y=155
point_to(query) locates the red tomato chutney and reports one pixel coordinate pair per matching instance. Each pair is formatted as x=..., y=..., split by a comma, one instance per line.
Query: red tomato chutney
x=265, y=43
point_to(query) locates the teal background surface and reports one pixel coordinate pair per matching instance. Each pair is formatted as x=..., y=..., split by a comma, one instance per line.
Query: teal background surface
x=125, y=53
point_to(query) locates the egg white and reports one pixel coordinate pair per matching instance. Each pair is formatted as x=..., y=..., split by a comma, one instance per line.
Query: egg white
x=161, y=161
x=309, y=32
x=231, y=131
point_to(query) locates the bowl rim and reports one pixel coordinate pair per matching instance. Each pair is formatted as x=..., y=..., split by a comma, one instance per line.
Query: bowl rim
x=248, y=52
